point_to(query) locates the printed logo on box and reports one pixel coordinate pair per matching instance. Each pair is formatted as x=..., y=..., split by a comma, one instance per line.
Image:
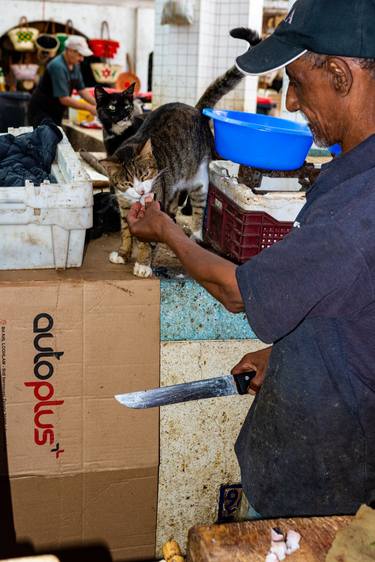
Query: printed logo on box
x=44, y=392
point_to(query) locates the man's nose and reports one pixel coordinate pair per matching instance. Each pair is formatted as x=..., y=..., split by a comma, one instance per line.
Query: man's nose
x=291, y=101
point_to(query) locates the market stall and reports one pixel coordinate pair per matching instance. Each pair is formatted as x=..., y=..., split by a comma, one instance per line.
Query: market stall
x=281, y=268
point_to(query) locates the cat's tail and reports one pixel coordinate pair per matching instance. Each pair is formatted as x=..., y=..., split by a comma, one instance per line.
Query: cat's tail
x=94, y=162
x=229, y=80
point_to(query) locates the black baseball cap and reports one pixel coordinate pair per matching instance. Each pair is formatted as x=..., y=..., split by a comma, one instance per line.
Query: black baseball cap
x=328, y=27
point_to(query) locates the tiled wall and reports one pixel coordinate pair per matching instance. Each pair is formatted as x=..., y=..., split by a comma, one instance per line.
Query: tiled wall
x=188, y=58
x=175, y=60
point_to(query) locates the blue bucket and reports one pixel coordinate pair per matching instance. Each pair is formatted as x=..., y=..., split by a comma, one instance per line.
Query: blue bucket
x=260, y=141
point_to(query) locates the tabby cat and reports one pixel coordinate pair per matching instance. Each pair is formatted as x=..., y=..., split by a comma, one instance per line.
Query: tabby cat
x=169, y=153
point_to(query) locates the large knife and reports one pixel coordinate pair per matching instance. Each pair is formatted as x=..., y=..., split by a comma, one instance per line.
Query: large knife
x=196, y=390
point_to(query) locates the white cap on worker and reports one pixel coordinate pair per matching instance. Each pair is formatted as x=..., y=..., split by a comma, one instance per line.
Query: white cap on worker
x=79, y=44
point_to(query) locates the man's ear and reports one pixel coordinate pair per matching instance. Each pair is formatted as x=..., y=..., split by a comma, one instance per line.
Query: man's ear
x=99, y=93
x=341, y=75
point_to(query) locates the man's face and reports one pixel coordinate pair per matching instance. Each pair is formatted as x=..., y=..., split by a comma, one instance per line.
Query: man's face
x=310, y=92
x=73, y=57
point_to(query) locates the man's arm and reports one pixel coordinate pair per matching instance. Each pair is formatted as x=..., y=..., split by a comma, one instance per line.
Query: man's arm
x=60, y=89
x=69, y=101
x=215, y=274
x=85, y=94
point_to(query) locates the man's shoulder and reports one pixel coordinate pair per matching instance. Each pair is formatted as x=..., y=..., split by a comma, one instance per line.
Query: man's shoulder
x=351, y=192
x=57, y=64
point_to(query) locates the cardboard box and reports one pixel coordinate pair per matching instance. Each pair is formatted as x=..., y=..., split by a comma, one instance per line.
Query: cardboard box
x=82, y=467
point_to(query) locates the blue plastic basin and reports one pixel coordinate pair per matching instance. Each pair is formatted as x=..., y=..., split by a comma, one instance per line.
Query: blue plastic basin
x=260, y=141
x=335, y=149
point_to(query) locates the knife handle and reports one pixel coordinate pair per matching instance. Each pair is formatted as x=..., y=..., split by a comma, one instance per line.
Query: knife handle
x=243, y=381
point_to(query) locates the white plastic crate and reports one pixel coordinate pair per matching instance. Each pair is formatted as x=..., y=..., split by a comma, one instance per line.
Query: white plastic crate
x=281, y=205
x=44, y=226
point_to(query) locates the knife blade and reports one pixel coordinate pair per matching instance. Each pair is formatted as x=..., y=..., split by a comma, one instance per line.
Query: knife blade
x=224, y=385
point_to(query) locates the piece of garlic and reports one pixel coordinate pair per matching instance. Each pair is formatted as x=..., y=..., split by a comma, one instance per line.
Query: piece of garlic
x=279, y=548
x=271, y=557
x=292, y=541
x=276, y=535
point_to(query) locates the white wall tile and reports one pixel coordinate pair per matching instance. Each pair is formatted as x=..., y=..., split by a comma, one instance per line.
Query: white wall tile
x=205, y=50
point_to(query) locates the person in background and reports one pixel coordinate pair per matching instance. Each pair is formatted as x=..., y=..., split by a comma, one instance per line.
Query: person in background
x=307, y=446
x=62, y=75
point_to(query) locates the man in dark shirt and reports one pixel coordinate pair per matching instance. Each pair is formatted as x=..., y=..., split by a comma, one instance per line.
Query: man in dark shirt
x=307, y=446
x=62, y=75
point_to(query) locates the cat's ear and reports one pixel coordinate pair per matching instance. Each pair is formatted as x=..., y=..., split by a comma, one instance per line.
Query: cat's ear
x=146, y=150
x=111, y=165
x=129, y=91
x=99, y=93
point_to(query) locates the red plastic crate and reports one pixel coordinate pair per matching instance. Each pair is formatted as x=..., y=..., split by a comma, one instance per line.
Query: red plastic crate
x=237, y=233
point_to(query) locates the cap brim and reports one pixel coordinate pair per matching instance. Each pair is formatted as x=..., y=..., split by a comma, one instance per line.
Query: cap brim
x=269, y=55
x=85, y=52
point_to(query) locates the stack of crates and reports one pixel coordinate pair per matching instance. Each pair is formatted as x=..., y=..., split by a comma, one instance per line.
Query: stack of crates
x=240, y=223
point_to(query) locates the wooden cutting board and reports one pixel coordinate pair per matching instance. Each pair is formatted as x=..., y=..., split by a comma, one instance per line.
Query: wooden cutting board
x=250, y=541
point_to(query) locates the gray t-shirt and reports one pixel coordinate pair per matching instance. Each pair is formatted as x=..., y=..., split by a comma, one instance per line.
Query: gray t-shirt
x=57, y=81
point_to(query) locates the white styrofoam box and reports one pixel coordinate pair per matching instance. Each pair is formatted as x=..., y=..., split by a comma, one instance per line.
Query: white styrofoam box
x=44, y=226
x=282, y=206
x=279, y=184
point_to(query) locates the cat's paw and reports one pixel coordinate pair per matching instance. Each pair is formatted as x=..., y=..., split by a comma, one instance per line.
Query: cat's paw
x=114, y=257
x=141, y=270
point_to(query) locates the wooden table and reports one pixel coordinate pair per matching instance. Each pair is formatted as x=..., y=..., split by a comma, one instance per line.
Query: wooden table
x=250, y=541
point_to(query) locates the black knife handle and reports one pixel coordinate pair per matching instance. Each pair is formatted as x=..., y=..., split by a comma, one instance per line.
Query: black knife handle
x=243, y=381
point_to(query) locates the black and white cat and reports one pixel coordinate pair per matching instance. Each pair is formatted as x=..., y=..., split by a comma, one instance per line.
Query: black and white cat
x=120, y=114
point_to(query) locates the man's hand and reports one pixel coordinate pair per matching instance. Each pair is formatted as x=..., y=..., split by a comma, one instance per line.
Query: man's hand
x=214, y=273
x=148, y=223
x=255, y=361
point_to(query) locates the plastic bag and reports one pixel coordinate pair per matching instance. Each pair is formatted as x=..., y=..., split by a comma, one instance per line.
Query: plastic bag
x=178, y=12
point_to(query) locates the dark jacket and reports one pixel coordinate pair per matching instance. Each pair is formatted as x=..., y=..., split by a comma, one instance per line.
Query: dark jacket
x=28, y=156
x=307, y=446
